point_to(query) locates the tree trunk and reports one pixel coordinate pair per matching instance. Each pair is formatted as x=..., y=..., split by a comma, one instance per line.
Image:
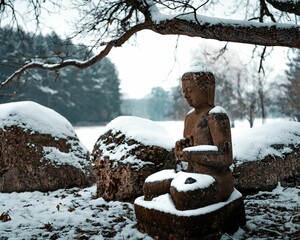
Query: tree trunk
x=262, y=106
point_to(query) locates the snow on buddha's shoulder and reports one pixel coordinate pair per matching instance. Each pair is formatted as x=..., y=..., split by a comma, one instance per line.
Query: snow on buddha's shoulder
x=191, y=111
x=143, y=130
x=35, y=117
x=217, y=109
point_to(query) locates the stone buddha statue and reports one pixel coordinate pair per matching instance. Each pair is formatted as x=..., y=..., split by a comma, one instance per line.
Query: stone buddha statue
x=206, y=147
x=197, y=201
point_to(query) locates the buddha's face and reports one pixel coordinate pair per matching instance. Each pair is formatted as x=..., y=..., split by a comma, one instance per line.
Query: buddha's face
x=195, y=96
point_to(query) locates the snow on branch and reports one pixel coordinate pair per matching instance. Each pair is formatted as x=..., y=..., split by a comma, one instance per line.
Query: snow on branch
x=265, y=34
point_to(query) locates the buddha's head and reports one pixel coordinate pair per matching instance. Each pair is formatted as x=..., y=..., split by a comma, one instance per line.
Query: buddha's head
x=199, y=88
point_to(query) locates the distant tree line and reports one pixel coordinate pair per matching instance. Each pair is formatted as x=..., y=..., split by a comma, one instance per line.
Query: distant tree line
x=91, y=95
x=290, y=99
x=240, y=89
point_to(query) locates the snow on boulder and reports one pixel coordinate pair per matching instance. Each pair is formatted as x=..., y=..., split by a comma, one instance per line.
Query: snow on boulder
x=130, y=150
x=266, y=155
x=39, y=150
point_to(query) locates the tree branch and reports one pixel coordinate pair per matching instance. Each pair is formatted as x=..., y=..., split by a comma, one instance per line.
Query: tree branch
x=76, y=63
x=266, y=34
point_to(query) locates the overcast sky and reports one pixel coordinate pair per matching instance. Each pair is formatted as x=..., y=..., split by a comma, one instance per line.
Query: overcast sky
x=153, y=61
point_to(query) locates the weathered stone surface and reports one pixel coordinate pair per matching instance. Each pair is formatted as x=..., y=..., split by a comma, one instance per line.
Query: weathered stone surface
x=267, y=155
x=264, y=175
x=35, y=161
x=122, y=164
x=154, y=189
x=172, y=226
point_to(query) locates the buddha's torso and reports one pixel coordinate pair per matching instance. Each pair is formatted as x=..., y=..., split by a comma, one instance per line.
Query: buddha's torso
x=196, y=125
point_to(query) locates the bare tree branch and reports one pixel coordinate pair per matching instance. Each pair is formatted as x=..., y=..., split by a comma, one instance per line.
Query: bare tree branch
x=286, y=6
x=120, y=19
x=76, y=63
x=262, y=57
x=265, y=34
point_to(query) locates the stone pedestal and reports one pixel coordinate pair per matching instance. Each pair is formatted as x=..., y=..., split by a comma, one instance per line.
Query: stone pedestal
x=161, y=220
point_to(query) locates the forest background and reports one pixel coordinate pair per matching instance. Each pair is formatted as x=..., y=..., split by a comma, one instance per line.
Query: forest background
x=243, y=91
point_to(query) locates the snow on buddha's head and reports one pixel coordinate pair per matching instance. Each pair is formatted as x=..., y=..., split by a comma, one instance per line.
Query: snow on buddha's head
x=201, y=74
x=197, y=67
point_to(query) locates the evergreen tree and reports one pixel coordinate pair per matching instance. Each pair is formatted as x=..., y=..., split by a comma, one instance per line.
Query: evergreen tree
x=291, y=89
x=91, y=95
x=180, y=106
x=159, y=104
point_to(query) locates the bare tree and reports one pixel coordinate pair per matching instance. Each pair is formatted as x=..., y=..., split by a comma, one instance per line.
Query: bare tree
x=241, y=88
x=112, y=22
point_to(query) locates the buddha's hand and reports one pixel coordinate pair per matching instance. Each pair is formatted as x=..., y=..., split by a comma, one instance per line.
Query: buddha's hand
x=180, y=145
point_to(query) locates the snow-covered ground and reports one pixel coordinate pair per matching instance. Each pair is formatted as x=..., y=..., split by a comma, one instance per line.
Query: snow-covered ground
x=76, y=214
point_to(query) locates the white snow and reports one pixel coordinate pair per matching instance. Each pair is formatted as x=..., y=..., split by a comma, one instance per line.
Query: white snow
x=56, y=157
x=165, y=204
x=74, y=213
x=270, y=139
x=196, y=67
x=33, y=116
x=47, y=89
x=161, y=175
x=217, y=109
x=202, y=181
x=142, y=130
x=66, y=214
x=159, y=17
x=201, y=148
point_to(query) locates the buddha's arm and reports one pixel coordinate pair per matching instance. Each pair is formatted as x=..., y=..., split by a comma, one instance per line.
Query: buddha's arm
x=219, y=126
x=221, y=155
x=185, y=142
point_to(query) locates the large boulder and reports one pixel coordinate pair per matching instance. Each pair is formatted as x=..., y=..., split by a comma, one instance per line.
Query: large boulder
x=128, y=152
x=267, y=155
x=39, y=150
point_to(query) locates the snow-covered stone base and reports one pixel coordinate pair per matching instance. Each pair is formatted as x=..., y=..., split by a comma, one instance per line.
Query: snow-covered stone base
x=160, y=218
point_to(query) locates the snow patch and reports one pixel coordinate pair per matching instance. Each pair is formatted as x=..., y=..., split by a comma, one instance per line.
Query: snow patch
x=47, y=89
x=161, y=175
x=57, y=157
x=196, y=67
x=142, y=130
x=201, y=148
x=273, y=139
x=201, y=181
x=217, y=109
x=164, y=203
x=35, y=117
